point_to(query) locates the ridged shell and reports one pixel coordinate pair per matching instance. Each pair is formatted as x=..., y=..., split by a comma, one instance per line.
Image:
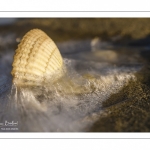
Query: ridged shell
x=36, y=58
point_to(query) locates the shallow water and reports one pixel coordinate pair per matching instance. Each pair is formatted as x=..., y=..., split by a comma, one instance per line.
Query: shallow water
x=95, y=71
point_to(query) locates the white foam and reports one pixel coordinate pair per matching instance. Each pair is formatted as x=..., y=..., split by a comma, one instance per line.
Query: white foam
x=59, y=106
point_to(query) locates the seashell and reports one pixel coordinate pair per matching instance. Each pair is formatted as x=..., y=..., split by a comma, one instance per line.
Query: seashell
x=36, y=59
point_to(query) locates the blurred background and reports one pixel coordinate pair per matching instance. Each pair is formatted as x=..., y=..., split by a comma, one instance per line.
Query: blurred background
x=60, y=29
x=82, y=33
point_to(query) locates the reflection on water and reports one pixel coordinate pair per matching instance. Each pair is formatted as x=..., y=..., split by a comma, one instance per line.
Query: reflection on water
x=93, y=75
